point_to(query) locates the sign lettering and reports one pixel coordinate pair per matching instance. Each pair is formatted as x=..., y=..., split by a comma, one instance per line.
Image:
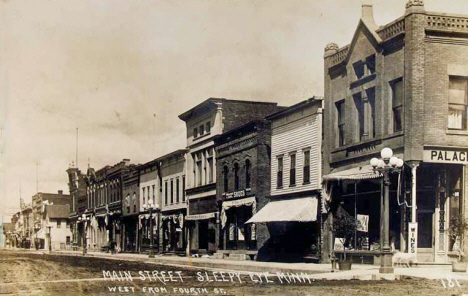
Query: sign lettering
x=446, y=156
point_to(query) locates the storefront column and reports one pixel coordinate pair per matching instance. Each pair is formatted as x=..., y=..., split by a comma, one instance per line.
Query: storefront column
x=414, y=168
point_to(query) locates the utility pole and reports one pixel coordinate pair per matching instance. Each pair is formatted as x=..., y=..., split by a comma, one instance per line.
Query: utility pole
x=76, y=156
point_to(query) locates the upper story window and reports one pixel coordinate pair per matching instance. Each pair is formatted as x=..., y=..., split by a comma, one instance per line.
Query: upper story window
x=143, y=194
x=59, y=223
x=340, y=114
x=209, y=161
x=364, y=67
x=225, y=179
x=195, y=132
x=292, y=169
x=365, y=109
x=201, y=130
x=457, y=115
x=177, y=190
x=165, y=193
x=397, y=104
x=199, y=169
x=236, y=176
x=247, y=173
x=183, y=188
x=172, y=191
x=208, y=127
x=279, y=173
x=306, y=166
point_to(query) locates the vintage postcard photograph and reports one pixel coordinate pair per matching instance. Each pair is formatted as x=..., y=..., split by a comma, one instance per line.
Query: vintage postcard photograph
x=234, y=147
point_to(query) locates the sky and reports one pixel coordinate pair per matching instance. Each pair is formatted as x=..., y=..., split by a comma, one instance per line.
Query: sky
x=122, y=71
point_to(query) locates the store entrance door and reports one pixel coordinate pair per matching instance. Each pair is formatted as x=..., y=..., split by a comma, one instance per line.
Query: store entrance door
x=425, y=236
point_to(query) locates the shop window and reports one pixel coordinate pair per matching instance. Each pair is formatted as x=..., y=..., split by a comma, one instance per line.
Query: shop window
x=340, y=109
x=292, y=169
x=306, y=167
x=247, y=173
x=236, y=176
x=397, y=104
x=279, y=173
x=457, y=116
x=208, y=127
x=225, y=179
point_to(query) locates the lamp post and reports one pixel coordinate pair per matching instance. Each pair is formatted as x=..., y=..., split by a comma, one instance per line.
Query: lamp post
x=37, y=227
x=150, y=206
x=84, y=219
x=388, y=164
x=50, y=237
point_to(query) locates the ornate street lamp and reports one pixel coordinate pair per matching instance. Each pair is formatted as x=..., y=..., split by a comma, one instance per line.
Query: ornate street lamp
x=150, y=206
x=84, y=219
x=388, y=164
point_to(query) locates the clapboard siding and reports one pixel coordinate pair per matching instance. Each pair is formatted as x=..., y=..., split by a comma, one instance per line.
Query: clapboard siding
x=304, y=132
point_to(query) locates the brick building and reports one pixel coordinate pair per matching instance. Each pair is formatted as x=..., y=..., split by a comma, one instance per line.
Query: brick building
x=78, y=203
x=204, y=121
x=293, y=209
x=403, y=86
x=130, y=208
x=242, y=166
x=104, y=208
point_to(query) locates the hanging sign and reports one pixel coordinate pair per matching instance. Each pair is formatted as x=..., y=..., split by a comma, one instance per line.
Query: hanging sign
x=363, y=223
x=200, y=216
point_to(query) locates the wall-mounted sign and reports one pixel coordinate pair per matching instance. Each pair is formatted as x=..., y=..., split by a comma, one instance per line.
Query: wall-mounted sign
x=235, y=194
x=200, y=216
x=445, y=156
x=413, y=237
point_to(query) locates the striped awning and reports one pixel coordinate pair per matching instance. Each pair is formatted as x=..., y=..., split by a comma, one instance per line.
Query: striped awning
x=288, y=210
x=357, y=173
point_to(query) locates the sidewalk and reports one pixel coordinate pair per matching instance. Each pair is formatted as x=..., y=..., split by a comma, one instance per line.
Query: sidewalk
x=315, y=271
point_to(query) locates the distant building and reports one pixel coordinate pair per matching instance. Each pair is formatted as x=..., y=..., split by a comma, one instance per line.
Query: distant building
x=130, y=209
x=78, y=204
x=55, y=221
x=36, y=222
x=104, y=208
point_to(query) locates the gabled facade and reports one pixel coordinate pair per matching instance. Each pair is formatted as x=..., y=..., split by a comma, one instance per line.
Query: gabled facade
x=78, y=203
x=403, y=86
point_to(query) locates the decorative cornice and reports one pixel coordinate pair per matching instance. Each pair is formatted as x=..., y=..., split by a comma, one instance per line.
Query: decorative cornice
x=412, y=3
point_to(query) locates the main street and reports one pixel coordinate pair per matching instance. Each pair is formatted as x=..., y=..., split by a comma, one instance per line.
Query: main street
x=25, y=273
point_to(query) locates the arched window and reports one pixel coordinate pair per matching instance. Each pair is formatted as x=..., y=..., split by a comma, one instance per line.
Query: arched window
x=247, y=173
x=225, y=178
x=236, y=176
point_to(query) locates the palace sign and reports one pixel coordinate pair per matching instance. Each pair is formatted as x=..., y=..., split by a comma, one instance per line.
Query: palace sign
x=446, y=156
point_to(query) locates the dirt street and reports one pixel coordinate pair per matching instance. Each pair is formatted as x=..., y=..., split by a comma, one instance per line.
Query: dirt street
x=23, y=273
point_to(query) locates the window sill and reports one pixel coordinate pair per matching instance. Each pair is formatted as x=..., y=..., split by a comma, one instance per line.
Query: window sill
x=279, y=187
x=292, y=185
x=306, y=183
x=457, y=132
x=202, y=136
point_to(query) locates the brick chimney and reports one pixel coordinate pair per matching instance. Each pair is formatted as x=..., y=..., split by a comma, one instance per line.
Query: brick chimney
x=367, y=15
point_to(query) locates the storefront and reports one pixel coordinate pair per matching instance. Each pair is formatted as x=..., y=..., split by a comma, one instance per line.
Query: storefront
x=287, y=219
x=173, y=233
x=202, y=230
x=440, y=183
x=236, y=234
x=146, y=224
